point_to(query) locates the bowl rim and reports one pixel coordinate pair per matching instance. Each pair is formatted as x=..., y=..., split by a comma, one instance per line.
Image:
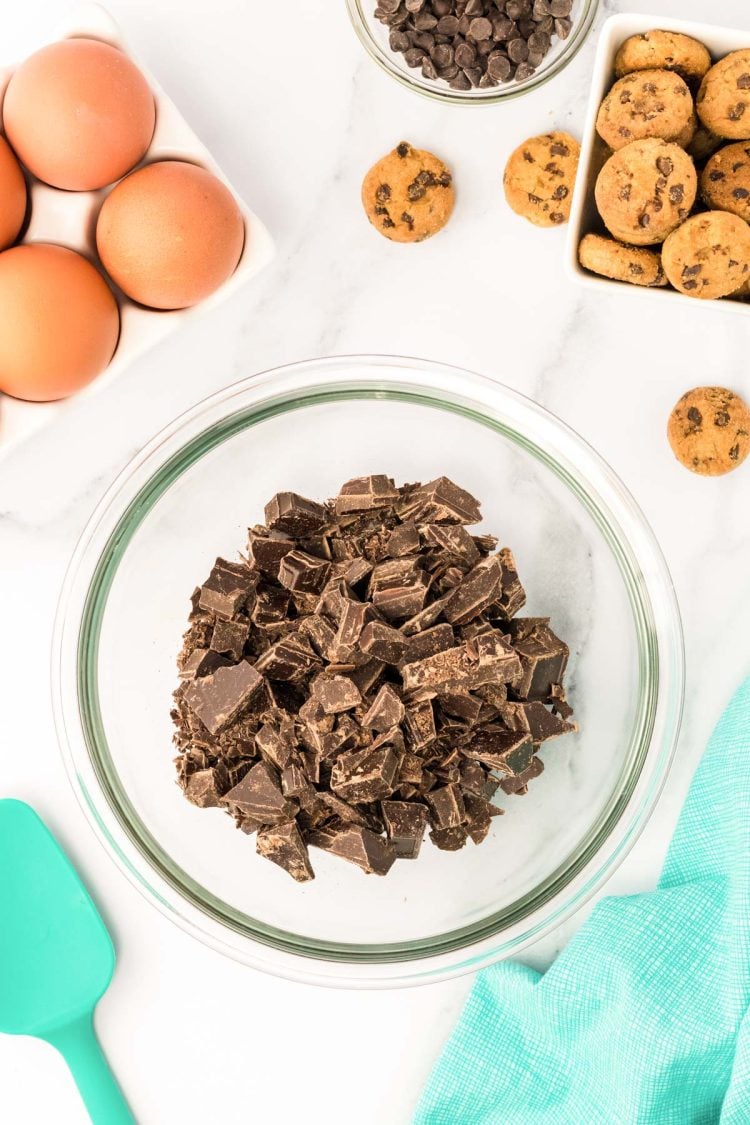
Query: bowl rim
x=493, y=95
x=350, y=966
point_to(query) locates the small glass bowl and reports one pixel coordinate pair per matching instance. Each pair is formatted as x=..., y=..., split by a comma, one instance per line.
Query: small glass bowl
x=373, y=35
x=587, y=558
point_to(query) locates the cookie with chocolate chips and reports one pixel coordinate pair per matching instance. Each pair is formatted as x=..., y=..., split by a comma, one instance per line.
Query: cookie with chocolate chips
x=539, y=178
x=649, y=103
x=708, y=256
x=408, y=195
x=725, y=182
x=615, y=260
x=663, y=50
x=709, y=431
x=723, y=101
x=645, y=191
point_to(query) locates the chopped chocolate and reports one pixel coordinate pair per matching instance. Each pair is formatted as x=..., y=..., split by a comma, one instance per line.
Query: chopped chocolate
x=387, y=710
x=230, y=638
x=294, y=515
x=405, y=824
x=226, y=589
x=217, y=698
x=357, y=845
x=259, y=795
x=364, y=673
x=365, y=775
x=282, y=844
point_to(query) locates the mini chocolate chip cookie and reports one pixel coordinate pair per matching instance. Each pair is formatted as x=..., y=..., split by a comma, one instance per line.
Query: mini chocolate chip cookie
x=725, y=182
x=649, y=103
x=646, y=190
x=539, y=178
x=709, y=431
x=723, y=101
x=619, y=262
x=408, y=195
x=663, y=50
x=708, y=256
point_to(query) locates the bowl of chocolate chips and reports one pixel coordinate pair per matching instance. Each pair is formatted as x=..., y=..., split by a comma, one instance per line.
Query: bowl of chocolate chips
x=472, y=51
x=368, y=671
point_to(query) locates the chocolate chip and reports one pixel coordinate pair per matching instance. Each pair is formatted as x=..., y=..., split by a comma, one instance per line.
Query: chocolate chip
x=665, y=165
x=403, y=150
x=737, y=112
x=740, y=193
x=644, y=220
x=743, y=82
x=721, y=419
x=694, y=414
x=560, y=192
x=677, y=193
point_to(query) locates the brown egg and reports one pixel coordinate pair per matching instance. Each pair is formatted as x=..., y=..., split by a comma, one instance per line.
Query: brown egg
x=79, y=114
x=12, y=196
x=170, y=234
x=59, y=322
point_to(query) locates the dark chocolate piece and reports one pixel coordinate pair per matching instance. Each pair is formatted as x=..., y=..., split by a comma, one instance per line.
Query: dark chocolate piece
x=265, y=551
x=291, y=658
x=366, y=493
x=477, y=591
x=294, y=515
x=427, y=643
x=382, y=642
x=200, y=662
x=226, y=589
x=449, y=839
x=387, y=710
x=357, y=845
x=204, y=788
x=229, y=638
x=544, y=658
x=259, y=796
x=446, y=807
x=282, y=844
x=534, y=719
x=303, y=572
x=501, y=750
x=335, y=693
x=441, y=501
x=365, y=775
x=216, y=699
x=405, y=823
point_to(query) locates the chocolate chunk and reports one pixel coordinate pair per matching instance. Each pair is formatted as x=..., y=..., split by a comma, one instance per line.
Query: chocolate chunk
x=217, y=698
x=282, y=844
x=230, y=637
x=365, y=775
x=519, y=783
x=534, y=719
x=449, y=839
x=382, y=642
x=420, y=724
x=300, y=571
x=294, y=782
x=354, y=617
x=544, y=658
x=387, y=710
x=204, y=788
x=357, y=845
x=294, y=515
x=319, y=632
x=461, y=706
x=431, y=641
x=446, y=807
x=479, y=815
x=200, y=662
x=453, y=541
x=513, y=596
x=265, y=551
x=398, y=588
x=276, y=742
x=403, y=540
x=365, y=494
x=259, y=796
x=441, y=501
x=405, y=823
x=485, y=660
x=290, y=658
x=226, y=589
x=271, y=607
x=501, y=750
x=335, y=693
x=476, y=593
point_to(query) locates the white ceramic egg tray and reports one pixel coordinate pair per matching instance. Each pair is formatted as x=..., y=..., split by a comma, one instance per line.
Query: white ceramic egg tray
x=69, y=218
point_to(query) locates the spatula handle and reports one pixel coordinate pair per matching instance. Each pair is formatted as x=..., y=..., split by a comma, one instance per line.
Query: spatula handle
x=103, y=1098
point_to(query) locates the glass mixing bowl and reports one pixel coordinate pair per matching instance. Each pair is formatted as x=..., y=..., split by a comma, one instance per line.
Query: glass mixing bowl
x=586, y=557
x=373, y=35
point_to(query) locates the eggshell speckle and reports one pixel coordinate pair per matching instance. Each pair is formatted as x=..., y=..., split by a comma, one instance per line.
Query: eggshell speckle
x=12, y=196
x=79, y=114
x=170, y=234
x=59, y=322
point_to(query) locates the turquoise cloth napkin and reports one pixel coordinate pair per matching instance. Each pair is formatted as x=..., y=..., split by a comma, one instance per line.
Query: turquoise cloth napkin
x=643, y=1019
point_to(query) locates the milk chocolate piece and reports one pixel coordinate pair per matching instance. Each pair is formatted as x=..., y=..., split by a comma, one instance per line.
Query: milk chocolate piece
x=276, y=742
x=386, y=711
x=365, y=775
x=335, y=693
x=259, y=795
x=446, y=806
x=217, y=698
x=357, y=845
x=303, y=572
x=365, y=494
x=294, y=515
x=204, y=788
x=226, y=589
x=200, y=662
x=382, y=642
x=405, y=823
x=282, y=844
x=230, y=637
x=403, y=540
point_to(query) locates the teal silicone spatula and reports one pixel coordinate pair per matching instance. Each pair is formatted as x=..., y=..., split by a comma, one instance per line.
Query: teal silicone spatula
x=56, y=957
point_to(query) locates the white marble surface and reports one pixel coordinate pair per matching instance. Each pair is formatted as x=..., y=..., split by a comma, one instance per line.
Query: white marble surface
x=195, y=1037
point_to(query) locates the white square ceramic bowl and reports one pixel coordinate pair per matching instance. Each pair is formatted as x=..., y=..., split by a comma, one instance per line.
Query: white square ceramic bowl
x=584, y=217
x=69, y=218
